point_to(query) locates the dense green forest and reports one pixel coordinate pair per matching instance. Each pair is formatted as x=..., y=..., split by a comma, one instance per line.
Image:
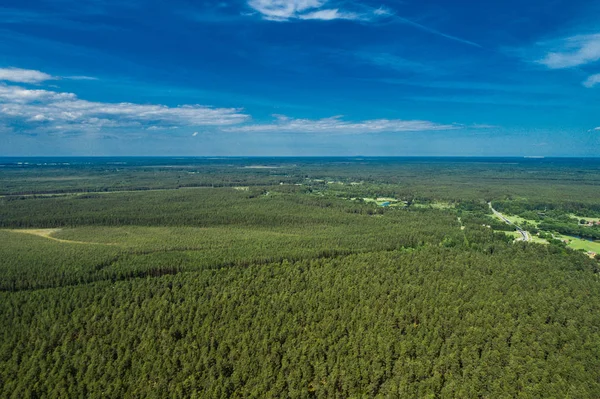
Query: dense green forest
x=284, y=278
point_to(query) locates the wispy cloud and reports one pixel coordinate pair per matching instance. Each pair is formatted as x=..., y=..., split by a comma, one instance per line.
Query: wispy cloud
x=286, y=10
x=336, y=124
x=283, y=10
x=330, y=14
x=18, y=75
x=483, y=126
x=435, y=31
x=78, y=77
x=44, y=110
x=382, y=11
x=35, y=111
x=592, y=81
x=571, y=51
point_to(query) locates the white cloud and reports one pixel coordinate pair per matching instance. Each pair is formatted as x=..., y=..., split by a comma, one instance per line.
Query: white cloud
x=46, y=111
x=382, y=11
x=285, y=10
x=337, y=125
x=328, y=15
x=282, y=10
x=40, y=118
x=483, y=126
x=162, y=128
x=19, y=95
x=18, y=75
x=54, y=111
x=571, y=51
x=592, y=81
x=78, y=77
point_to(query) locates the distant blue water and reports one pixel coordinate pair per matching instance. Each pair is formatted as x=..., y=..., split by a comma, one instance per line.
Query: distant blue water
x=157, y=161
x=583, y=238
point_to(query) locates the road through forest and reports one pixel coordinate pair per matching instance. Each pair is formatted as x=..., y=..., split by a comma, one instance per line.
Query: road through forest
x=525, y=236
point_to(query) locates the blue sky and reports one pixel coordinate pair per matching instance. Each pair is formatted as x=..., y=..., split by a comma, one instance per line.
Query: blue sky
x=300, y=77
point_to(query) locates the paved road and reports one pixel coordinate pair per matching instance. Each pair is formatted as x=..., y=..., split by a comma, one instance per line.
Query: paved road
x=525, y=236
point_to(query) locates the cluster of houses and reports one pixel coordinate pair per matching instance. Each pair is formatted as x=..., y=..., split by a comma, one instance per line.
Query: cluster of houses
x=592, y=223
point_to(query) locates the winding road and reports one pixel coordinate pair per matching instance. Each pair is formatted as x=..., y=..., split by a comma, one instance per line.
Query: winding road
x=525, y=236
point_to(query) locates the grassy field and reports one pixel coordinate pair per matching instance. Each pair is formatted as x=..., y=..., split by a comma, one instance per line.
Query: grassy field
x=537, y=239
x=578, y=243
x=435, y=205
x=518, y=220
x=515, y=234
x=382, y=200
x=587, y=219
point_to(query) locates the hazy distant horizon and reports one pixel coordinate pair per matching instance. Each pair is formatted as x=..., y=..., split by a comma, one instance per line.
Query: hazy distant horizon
x=14, y=158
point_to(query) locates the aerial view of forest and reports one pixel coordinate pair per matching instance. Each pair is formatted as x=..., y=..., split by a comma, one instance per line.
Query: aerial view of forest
x=299, y=277
x=300, y=199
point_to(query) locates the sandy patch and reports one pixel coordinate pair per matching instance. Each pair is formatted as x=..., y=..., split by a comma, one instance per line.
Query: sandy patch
x=47, y=233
